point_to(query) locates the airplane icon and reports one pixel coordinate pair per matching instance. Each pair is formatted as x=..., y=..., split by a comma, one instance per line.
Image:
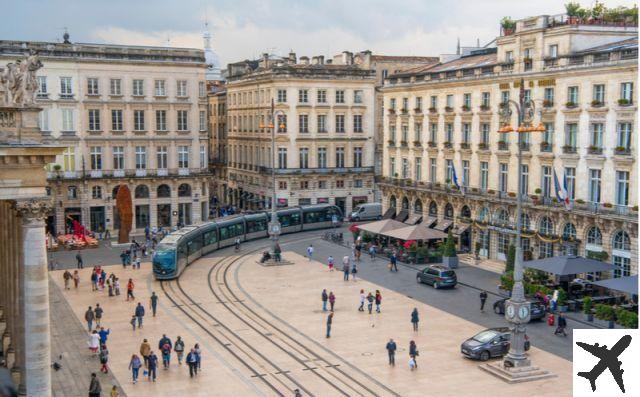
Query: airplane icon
x=608, y=359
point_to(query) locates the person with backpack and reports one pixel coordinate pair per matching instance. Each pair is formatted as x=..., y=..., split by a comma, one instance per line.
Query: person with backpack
x=145, y=351
x=378, y=301
x=98, y=314
x=166, y=354
x=370, y=299
x=139, y=314
x=104, y=359
x=325, y=298
x=89, y=316
x=192, y=362
x=415, y=319
x=178, y=347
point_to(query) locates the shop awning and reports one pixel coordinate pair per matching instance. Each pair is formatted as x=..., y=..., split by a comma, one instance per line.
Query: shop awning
x=391, y=212
x=444, y=225
x=384, y=225
x=402, y=215
x=567, y=265
x=627, y=285
x=428, y=221
x=460, y=228
x=413, y=219
x=416, y=232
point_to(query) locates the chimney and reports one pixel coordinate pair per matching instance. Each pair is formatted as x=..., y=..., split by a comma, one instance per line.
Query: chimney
x=321, y=59
x=304, y=60
x=347, y=58
x=329, y=61
x=314, y=60
x=366, y=59
x=292, y=58
x=265, y=60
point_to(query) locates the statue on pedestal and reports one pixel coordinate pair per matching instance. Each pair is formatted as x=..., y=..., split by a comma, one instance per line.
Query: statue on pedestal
x=18, y=82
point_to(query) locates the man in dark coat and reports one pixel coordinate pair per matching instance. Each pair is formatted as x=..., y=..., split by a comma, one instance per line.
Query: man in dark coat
x=391, y=349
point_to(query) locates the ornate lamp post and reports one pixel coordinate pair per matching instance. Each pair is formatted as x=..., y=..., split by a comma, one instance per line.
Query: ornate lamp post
x=517, y=308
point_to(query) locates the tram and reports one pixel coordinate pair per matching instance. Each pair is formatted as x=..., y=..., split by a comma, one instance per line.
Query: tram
x=182, y=247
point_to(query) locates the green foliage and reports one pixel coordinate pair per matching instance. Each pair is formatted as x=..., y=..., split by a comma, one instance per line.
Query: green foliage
x=604, y=312
x=507, y=23
x=598, y=10
x=366, y=238
x=506, y=281
x=587, y=305
x=599, y=256
x=450, y=246
x=562, y=297
x=626, y=318
x=57, y=167
x=511, y=258
x=478, y=247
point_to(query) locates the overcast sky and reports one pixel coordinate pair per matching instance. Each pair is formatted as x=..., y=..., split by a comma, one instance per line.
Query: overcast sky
x=243, y=29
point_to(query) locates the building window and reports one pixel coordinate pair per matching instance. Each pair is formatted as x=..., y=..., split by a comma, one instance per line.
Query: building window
x=484, y=175
x=449, y=101
x=304, y=157
x=339, y=96
x=138, y=87
x=417, y=132
x=118, y=157
x=508, y=56
x=282, y=96
x=96, y=192
x=161, y=120
x=486, y=99
x=282, y=185
x=181, y=88
x=405, y=168
x=504, y=95
x=96, y=157
x=624, y=136
x=392, y=133
x=43, y=120
x=465, y=173
x=357, y=157
x=322, y=157
x=448, y=128
x=160, y=89
x=116, y=120
x=433, y=133
x=115, y=87
x=392, y=103
x=598, y=93
x=340, y=157
x=570, y=174
x=94, y=120
x=466, y=101
x=42, y=86
x=182, y=120
x=484, y=133
x=405, y=133
x=547, y=136
x=339, y=122
x=138, y=120
x=357, y=96
x=183, y=156
x=72, y=192
x=527, y=96
x=419, y=104
x=594, y=185
x=597, y=130
x=66, y=88
x=626, y=93
x=282, y=158
x=303, y=123
x=141, y=157
x=142, y=216
x=622, y=254
x=466, y=132
x=68, y=122
x=202, y=120
x=572, y=96
x=418, y=168
x=304, y=185
x=392, y=167
x=504, y=177
x=434, y=102
x=622, y=188
x=549, y=95
x=357, y=123
x=162, y=158
x=433, y=172
x=322, y=96
x=594, y=236
x=303, y=96
x=202, y=92
x=553, y=51
x=69, y=159
x=340, y=184
x=571, y=137
x=282, y=123
x=449, y=177
x=546, y=181
x=322, y=123
x=203, y=156
x=92, y=86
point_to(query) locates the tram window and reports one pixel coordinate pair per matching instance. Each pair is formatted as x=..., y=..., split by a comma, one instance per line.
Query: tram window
x=210, y=237
x=256, y=226
x=194, y=245
x=317, y=216
x=291, y=219
x=239, y=229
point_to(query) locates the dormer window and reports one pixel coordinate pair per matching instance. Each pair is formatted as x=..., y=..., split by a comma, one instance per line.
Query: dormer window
x=508, y=57
x=553, y=51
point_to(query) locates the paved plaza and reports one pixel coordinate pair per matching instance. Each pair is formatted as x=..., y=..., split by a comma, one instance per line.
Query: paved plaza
x=262, y=332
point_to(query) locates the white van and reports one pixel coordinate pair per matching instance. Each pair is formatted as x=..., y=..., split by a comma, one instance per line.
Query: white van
x=367, y=211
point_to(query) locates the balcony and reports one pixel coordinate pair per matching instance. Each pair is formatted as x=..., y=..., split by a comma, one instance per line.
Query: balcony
x=465, y=146
x=96, y=173
x=503, y=145
x=550, y=63
x=118, y=173
x=391, y=143
x=568, y=149
x=466, y=108
x=483, y=146
x=417, y=144
x=448, y=145
x=547, y=103
x=141, y=172
x=624, y=102
x=404, y=143
x=546, y=147
x=162, y=172
x=597, y=104
x=417, y=110
x=485, y=108
x=448, y=109
x=622, y=151
x=183, y=171
x=433, y=110
x=594, y=150
x=524, y=146
x=322, y=171
x=432, y=144
x=528, y=64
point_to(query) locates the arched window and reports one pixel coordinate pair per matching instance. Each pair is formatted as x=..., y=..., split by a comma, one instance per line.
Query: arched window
x=433, y=209
x=546, y=226
x=525, y=221
x=465, y=212
x=417, y=206
x=594, y=236
x=483, y=216
x=184, y=190
x=114, y=192
x=569, y=231
x=142, y=192
x=96, y=192
x=392, y=202
x=502, y=216
x=164, y=191
x=621, y=254
x=448, y=211
x=405, y=203
x=621, y=241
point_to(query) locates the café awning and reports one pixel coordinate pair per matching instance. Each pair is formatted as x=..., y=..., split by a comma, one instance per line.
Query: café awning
x=567, y=265
x=391, y=212
x=416, y=232
x=402, y=215
x=627, y=285
x=381, y=226
x=429, y=221
x=444, y=225
x=413, y=219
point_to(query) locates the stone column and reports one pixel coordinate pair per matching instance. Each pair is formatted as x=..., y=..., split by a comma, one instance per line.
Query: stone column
x=36, y=379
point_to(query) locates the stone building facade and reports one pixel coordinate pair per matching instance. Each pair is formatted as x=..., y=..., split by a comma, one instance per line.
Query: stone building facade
x=125, y=114
x=324, y=138
x=441, y=125
x=218, y=145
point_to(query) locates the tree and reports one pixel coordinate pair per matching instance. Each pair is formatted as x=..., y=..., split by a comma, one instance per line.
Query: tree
x=125, y=211
x=572, y=8
x=511, y=258
x=450, y=246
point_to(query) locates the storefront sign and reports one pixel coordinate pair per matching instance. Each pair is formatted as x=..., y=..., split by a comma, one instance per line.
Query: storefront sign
x=501, y=229
x=546, y=83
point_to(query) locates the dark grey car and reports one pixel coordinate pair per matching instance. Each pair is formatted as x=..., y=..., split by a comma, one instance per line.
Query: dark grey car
x=492, y=342
x=437, y=275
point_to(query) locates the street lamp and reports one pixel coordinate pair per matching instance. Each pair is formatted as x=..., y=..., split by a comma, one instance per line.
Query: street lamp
x=274, y=225
x=517, y=308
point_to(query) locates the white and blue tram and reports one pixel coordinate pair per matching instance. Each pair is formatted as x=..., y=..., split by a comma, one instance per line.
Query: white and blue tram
x=180, y=248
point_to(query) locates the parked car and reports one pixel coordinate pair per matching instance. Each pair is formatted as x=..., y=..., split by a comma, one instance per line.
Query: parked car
x=437, y=275
x=492, y=342
x=366, y=211
x=537, y=308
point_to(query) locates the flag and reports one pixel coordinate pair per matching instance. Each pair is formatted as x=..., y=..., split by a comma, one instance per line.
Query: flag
x=567, y=199
x=455, y=179
x=561, y=190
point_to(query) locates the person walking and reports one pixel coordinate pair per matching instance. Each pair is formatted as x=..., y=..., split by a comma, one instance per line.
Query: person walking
x=98, y=314
x=114, y=392
x=138, y=263
x=130, y=287
x=297, y=393
x=370, y=299
x=310, y=252
x=165, y=350
x=79, y=263
x=329, y=322
x=94, y=342
x=345, y=267
x=67, y=277
x=362, y=299
x=94, y=280
x=415, y=319
x=145, y=351
x=372, y=252
x=133, y=321
x=237, y=244
x=94, y=386
x=332, y=300
x=391, y=350
x=354, y=270
x=104, y=334
x=378, y=300
x=483, y=300
x=153, y=302
x=103, y=278
x=89, y=316
x=192, y=362
x=178, y=347
x=139, y=314
x=413, y=352
x=116, y=286
x=76, y=279
x=330, y=263
x=152, y=366
x=325, y=298
x=562, y=324
x=123, y=259
x=198, y=351
x=393, y=264
x=134, y=366
x=104, y=359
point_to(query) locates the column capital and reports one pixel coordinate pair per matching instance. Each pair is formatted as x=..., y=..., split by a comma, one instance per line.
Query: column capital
x=34, y=210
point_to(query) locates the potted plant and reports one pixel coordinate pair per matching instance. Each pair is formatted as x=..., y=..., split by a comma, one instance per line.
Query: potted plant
x=587, y=305
x=511, y=194
x=570, y=104
x=607, y=205
x=562, y=300
x=508, y=25
x=477, y=250
x=547, y=103
x=621, y=150
x=465, y=108
x=449, y=257
x=491, y=191
x=572, y=9
x=634, y=208
x=483, y=146
x=417, y=110
x=448, y=109
x=580, y=201
x=484, y=108
x=596, y=104
x=623, y=102
x=432, y=110
x=391, y=142
x=605, y=314
x=392, y=111
x=511, y=258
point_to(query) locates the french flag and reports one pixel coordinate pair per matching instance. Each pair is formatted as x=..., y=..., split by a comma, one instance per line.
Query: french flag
x=455, y=180
x=562, y=194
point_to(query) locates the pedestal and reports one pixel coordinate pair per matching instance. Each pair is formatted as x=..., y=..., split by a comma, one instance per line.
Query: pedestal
x=516, y=374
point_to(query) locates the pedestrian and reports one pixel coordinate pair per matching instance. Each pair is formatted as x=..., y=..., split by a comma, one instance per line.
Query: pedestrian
x=391, y=350
x=145, y=351
x=178, y=347
x=130, y=290
x=378, y=300
x=94, y=280
x=310, y=252
x=139, y=314
x=123, y=259
x=104, y=359
x=116, y=286
x=198, y=351
x=89, y=316
x=329, y=321
x=393, y=264
x=76, y=279
x=297, y=393
x=358, y=251
x=153, y=301
x=325, y=297
x=483, y=300
x=110, y=287
x=413, y=352
x=237, y=244
x=152, y=366
x=332, y=300
x=192, y=362
x=562, y=324
x=104, y=334
x=370, y=299
x=94, y=387
x=345, y=267
x=412, y=363
x=330, y=263
x=79, y=263
x=372, y=252
x=98, y=314
x=166, y=354
x=114, y=391
x=362, y=299
x=414, y=318
x=354, y=270
x=67, y=277
x=134, y=366
x=103, y=278
x=164, y=340
x=94, y=342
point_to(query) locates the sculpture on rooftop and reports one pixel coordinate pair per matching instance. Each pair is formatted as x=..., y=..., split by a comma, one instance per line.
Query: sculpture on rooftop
x=18, y=82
